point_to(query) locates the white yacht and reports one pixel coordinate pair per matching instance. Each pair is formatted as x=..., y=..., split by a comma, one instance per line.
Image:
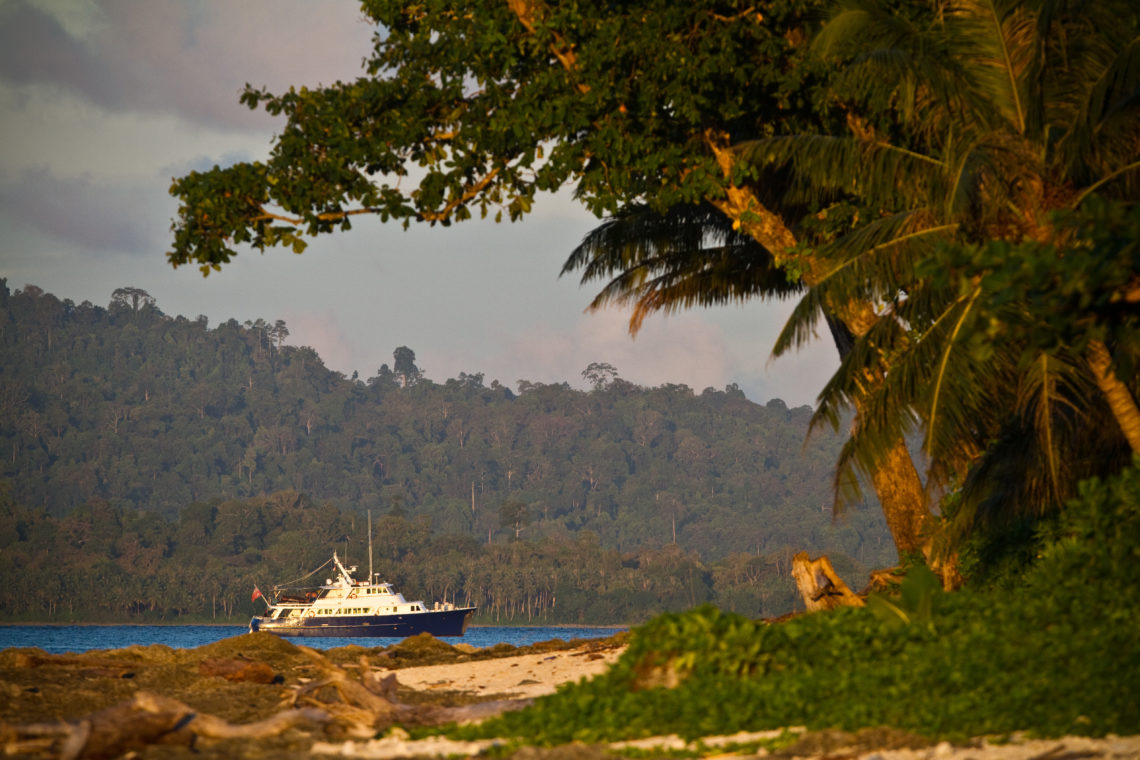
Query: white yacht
x=347, y=607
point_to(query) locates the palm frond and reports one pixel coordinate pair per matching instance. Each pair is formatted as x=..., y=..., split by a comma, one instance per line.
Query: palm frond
x=876, y=260
x=1032, y=464
x=955, y=319
x=858, y=380
x=898, y=375
x=1104, y=134
x=710, y=277
x=637, y=232
x=687, y=256
x=1048, y=399
x=881, y=422
x=825, y=167
x=891, y=61
x=1002, y=33
x=802, y=325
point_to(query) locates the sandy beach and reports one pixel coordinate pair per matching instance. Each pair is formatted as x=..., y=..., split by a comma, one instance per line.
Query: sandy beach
x=519, y=677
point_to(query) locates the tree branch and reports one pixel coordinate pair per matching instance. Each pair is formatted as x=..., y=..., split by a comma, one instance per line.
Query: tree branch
x=296, y=222
x=742, y=206
x=454, y=203
x=529, y=12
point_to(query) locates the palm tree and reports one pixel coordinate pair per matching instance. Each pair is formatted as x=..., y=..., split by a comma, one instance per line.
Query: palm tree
x=694, y=255
x=981, y=132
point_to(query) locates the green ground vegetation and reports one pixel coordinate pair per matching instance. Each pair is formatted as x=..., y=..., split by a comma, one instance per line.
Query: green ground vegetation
x=1052, y=651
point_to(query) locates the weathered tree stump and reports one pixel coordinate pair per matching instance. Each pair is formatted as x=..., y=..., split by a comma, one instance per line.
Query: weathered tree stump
x=820, y=586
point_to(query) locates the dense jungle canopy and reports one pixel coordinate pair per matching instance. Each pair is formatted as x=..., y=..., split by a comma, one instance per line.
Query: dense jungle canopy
x=167, y=466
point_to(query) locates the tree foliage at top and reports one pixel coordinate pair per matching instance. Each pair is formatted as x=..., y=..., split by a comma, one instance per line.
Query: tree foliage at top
x=476, y=107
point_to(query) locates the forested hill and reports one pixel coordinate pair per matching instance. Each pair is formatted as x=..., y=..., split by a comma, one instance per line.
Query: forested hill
x=149, y=412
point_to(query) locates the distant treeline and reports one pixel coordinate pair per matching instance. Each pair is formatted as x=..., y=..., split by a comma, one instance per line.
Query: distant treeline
x=101, y=563
x=126, y=409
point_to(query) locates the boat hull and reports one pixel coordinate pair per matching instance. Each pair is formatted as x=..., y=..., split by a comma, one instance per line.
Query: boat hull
x=436, y=622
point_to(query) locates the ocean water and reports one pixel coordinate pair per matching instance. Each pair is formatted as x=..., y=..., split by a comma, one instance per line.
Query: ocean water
x=59, y=639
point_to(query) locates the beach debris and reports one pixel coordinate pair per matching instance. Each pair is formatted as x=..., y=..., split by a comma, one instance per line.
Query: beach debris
x=146, y=719
x=111, y=703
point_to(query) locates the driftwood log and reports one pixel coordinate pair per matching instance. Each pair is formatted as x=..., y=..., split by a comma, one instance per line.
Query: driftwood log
x=820, y=586
x=146, y=719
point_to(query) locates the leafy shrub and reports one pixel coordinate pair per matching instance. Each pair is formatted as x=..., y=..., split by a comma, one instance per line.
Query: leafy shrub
x=1056, y=654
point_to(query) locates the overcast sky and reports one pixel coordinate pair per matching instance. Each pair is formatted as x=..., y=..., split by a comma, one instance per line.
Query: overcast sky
x=103, y=103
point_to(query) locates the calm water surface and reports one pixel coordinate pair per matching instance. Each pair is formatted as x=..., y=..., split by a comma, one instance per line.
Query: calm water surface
x=82, y=638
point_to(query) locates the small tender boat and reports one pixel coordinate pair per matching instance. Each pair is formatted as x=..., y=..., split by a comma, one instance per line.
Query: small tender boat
x=348, y=607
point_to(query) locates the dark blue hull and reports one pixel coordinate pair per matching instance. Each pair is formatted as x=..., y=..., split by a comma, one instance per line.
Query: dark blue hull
x=436, y=622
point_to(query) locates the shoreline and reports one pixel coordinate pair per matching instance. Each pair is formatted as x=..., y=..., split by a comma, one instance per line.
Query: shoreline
x=162, y=624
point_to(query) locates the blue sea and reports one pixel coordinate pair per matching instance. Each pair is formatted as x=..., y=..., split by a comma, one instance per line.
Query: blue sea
x=59, y=639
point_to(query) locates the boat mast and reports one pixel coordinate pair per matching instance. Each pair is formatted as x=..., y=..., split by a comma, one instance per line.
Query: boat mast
x=370, y=576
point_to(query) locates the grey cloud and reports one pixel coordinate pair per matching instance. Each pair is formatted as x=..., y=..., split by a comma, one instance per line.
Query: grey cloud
x=98, y=216
x=191, y=59
x=35, y=49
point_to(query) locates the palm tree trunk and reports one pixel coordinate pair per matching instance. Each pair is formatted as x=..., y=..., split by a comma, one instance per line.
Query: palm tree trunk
x=903, y=499
x=1120, y=399
x=896, y=482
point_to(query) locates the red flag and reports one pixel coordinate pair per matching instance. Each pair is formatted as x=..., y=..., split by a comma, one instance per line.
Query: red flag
x=256, y=593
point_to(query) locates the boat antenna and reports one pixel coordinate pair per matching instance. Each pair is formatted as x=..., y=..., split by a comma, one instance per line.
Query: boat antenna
x=370, y=576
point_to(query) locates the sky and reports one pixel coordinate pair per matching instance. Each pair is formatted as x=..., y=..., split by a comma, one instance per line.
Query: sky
x=104, y=102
